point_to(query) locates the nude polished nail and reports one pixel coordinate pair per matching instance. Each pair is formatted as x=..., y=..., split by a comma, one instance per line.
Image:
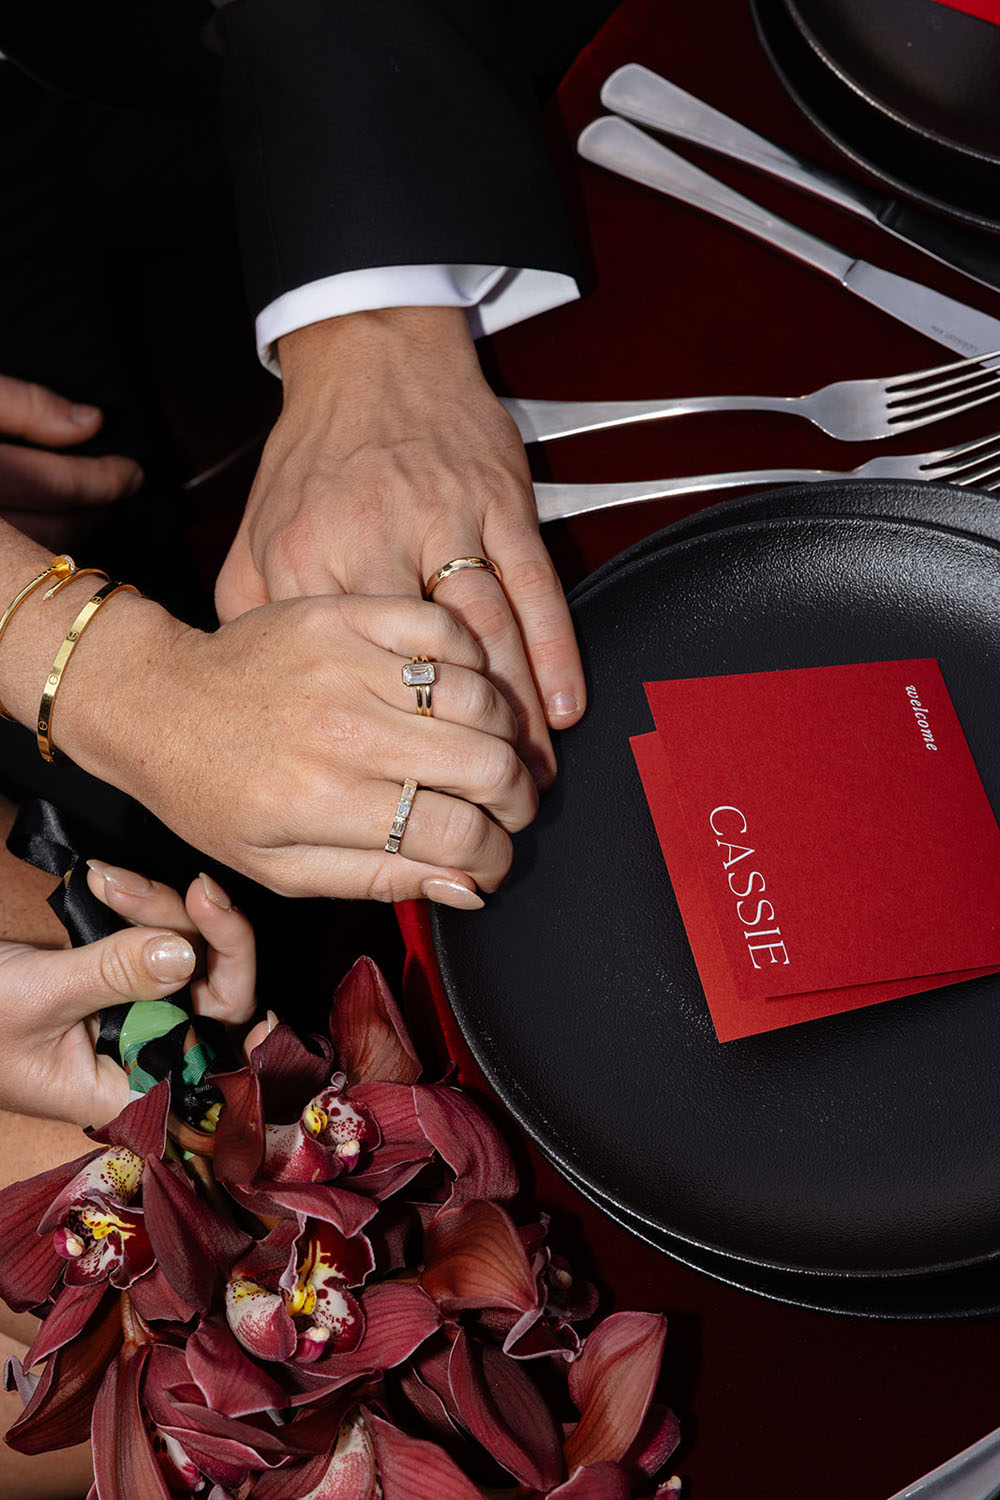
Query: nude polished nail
x=450, y=893
x=122, y=880
x=214, y=892
x=169, y=958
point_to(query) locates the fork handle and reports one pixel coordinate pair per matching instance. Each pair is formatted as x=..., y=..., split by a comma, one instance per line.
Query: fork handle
x=557, y=501
x=539, y=420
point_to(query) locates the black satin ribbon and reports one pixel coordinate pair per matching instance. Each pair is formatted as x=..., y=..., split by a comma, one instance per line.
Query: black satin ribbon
x=44, y=836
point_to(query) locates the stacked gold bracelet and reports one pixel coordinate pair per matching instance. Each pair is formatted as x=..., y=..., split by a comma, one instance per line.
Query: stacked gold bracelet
x=43, y=726
x=63, y=569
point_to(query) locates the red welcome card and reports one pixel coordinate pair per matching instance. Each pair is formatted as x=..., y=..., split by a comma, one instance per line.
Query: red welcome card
x=827, y=835
x=984, y=10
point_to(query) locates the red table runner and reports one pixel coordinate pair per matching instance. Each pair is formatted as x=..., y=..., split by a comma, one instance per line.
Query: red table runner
x=775, y=1401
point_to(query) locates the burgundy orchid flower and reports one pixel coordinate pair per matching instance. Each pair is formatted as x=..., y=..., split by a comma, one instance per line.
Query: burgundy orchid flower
x=322, y=1298
x=289, y=1298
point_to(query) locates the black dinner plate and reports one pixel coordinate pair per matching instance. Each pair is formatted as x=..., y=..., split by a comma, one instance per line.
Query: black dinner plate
x=852, y=1163
x=964, y=184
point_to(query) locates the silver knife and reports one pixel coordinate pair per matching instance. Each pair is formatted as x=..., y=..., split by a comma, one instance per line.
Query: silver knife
x=973, y=1474
x=613, y=143
x=642, y=95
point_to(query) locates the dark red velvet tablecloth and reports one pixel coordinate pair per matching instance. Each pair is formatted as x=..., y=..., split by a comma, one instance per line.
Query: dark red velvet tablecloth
x=775, y=1401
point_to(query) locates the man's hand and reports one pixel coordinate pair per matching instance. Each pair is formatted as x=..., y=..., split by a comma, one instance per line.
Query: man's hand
x=55, y=497
x=391, y=458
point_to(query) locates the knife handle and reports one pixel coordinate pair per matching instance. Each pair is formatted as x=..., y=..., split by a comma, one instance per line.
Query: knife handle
x=642, y=95
x=620, y=147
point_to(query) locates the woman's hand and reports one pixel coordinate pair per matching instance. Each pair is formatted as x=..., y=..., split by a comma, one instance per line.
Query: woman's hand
x=279, y=743
x=392, y=457
x=55, y=497
x=49, y=998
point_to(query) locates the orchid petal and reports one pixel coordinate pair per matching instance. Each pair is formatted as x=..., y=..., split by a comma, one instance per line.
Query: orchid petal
x=603, y=1481
x=239, y=1135
x=612, y=1384
x=290, y=1155
x=656, y=1440
x=348, y=1211
x=409, y=1466
x=468, y=1141
x=474, y=1258
x=194, y=1246
x=230, y=1382
x=290, y=1070
x=64, y=1321
x=141, y=1126
x=59, y=1412
x=350, y=1472
x=369, y=1038
x=155, y=1300
x=259, y=1321
x=303, y=1478
x=29, y=1266
x=108, y=1178
x=504, y=1411
x=398, y=1318
x=124, y=1464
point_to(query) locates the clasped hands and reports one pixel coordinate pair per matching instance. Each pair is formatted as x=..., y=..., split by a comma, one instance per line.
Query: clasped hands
x=278, y=744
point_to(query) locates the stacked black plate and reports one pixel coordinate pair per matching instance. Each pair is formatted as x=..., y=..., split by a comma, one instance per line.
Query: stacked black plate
x=852, y=1163
x=907, y=88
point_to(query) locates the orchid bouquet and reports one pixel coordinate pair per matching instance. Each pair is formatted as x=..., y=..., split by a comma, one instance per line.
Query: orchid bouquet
x=316, y=1294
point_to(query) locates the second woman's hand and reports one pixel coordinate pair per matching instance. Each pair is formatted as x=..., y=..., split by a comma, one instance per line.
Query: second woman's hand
x=278, y=744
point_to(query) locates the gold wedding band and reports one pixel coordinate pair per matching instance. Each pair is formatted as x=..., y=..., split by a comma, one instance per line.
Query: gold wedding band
x=403, y=808
x=421, y=673
x=458, y=565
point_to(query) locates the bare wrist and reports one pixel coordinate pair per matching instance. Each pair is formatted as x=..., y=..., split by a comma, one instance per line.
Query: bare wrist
x=335, y=349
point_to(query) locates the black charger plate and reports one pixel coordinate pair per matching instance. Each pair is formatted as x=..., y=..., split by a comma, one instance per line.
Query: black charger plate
x=960, y=183
x=852, y=1163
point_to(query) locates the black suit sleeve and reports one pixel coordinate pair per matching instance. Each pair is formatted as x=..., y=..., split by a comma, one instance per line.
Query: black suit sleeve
x=368, y=133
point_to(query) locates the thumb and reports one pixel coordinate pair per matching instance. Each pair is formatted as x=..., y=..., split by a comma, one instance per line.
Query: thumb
x=134, y=964
x=239, y=587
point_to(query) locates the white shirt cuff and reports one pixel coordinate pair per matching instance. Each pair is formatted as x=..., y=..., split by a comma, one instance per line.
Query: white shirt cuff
x=493, y=296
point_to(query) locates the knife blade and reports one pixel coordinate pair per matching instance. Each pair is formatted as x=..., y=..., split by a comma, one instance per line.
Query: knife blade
x=643, y=96
x=612, y=143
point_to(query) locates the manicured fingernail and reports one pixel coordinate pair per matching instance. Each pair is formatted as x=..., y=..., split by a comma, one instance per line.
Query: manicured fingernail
x=122, y=880
x=82, y=415
x=214, y=892
x=169, y=958
x=137, y=482
x=561, y=705
x=272, y=1021
x=450, y=893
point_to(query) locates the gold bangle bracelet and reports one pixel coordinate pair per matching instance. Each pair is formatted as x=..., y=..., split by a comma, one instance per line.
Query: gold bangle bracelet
x=64, y=570
x=43, y=727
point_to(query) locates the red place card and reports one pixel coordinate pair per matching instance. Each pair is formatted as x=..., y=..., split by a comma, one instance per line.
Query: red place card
x=827, y=835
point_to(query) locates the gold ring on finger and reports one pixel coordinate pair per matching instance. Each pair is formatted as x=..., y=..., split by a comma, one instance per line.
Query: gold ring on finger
x=458, y=565
x=421, y=673
x=399, y=822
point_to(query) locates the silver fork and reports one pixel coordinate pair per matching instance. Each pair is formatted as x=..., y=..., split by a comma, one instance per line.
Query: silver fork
x=855, y=410
x=976, y=464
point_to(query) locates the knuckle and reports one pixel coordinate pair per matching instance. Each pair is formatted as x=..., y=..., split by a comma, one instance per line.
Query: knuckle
x=532, y=577
x=467, y=835
x=501, y=774
x=480, y=700
x=490, y=617
x=385, y=884
x=116, y=970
